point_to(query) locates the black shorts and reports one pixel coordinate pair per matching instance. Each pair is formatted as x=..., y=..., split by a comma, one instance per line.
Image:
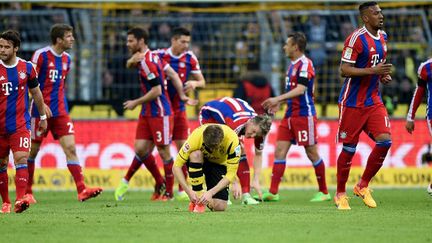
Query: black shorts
x=213, y=174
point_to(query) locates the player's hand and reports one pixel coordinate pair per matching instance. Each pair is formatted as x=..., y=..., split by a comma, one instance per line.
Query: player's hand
x=43, y=125
x=137, y=57
x=190, y=85
x=383, y=68
x=409, y=126
x=188, y=101
x=130, y=104
x=257, y=186
x=386, y=79
x=192, y=196
x=236, y=190
x=205, y=198
x=271, y=105
x=48, y=111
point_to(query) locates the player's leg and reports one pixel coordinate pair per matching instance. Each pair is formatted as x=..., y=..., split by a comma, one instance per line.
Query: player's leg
x=196, y=178
x=67, y=143
x=21, y=179
x=351, y=121
x=162, y=130
x=243, y=173
x=283, y=144
x=37, y=139
x=214, y=173
x=181, y=132
x=4, y=191
x=319, y=167
x=181, y=195
x=35, y=146
x=278, y=170
x=20, y=146
x=143, y=155
x=378, y=126
x=168, y=162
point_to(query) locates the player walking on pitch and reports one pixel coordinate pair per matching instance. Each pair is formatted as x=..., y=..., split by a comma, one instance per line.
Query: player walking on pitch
x=360, y=104
x=53, y=65
x=17, y=77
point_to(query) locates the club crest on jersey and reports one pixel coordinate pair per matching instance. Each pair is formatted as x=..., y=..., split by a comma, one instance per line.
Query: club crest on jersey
x=343, y=135
x=65, y=66
x=303, y=74
x=22, y=75
x=182, y=65
x=385, y=47
x=186, y=147
x=294, y=72
x=237, y=151
x=151, y=76
x=348, y=53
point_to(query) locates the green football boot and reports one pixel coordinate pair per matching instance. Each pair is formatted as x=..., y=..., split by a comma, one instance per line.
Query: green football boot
x=321, y=197
x=121, y=190
x=182, y=196
x=267, y=197
x=248, y=200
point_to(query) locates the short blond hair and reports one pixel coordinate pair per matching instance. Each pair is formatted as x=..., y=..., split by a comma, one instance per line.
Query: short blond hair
x=264, y=122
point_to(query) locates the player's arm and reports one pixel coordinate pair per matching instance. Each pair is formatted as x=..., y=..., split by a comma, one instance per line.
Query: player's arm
x=349, y=70
x=191, y=144
x=272, y=104
x=257, y=165
x=197, y=82
x=135, y=59
x=152, y=94
x=178, y=173
x=415, y=103
x=36, y=93
x=178, y=85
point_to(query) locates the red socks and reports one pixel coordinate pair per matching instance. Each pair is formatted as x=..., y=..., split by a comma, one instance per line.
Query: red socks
x=136, y=164
x=4, y=185
x=319, y=168
x=169, y=176
x=150, y=163
x=31, y=170
x=277, y=174
x=243, y=173
x=21, y=180
x=76, y=172
x=375, y=162
x=344, y=166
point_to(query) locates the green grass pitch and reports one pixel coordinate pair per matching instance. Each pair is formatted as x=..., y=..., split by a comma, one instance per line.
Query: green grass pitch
x=401, y=216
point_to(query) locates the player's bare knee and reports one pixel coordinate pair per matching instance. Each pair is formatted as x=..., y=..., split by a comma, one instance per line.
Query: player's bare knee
x=20, y=158
x=219, y=205
x=280, y=153
x=196, y=156
x=312, y=153
x=70, y=150
x=164, y=152
x=141, y=152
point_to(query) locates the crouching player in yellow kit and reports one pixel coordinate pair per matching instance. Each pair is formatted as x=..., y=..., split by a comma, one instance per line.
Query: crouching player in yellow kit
x=213, y=151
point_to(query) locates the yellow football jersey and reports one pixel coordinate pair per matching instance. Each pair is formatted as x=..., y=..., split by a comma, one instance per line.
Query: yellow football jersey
x=228, y=152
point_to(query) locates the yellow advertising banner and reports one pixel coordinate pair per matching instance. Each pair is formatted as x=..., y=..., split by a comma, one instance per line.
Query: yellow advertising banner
x=57, y=179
